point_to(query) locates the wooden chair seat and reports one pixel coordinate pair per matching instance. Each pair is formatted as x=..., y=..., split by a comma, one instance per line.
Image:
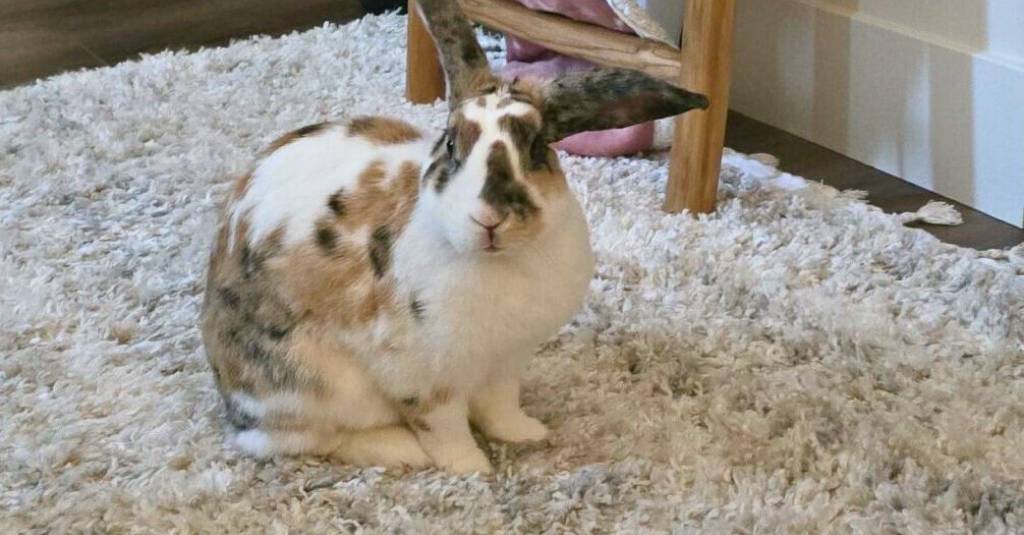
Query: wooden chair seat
x=702, y=65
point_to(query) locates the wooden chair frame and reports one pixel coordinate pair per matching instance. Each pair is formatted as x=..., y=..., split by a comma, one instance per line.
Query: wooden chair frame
x=703, y=65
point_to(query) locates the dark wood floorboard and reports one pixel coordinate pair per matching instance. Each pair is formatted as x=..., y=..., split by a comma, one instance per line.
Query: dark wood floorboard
x=42, y=37
x=801, y=157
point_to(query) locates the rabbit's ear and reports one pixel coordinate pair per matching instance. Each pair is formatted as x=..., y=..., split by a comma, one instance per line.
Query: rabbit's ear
x=600, y=99
x=465, y=64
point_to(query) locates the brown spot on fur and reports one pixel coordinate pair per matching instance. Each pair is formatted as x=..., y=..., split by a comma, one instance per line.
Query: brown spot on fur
x=380, y=250
x=311, y=129
x=501, y=190
x=523, y=132
x=467, y=133
x=339, y=290
x=436, y=173
x=419, y=424
x=240, y=186
x=365, y=199
x=252, y=258
x=326, y=236
x=336, y=203
x=383, y=130
x=229, y=297
x=407, y=173
x=441, y=396
x=417, y=309
x=470, y=51
x=462, y=134
x=305, y=131
x=373, y=175
x=414, y=407
x=439, y=172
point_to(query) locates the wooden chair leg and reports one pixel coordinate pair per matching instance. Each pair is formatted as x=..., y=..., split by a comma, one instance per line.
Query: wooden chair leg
x=424, y=79
x=696, y=158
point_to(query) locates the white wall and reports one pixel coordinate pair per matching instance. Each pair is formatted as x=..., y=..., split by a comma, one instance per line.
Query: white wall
x=928, y=90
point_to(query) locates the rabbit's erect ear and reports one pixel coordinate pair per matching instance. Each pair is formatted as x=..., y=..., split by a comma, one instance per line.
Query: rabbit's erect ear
x=465, y=64
x=600, y=99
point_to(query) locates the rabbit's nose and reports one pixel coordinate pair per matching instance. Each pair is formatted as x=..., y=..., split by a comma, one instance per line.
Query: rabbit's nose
x=489, y=220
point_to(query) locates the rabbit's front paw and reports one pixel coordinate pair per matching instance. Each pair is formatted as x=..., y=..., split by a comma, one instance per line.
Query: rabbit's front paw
x=386, y=446
x=515, y=427
x=465, y=462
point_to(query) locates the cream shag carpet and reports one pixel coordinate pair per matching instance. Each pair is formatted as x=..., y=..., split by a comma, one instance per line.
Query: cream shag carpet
x=797, y=363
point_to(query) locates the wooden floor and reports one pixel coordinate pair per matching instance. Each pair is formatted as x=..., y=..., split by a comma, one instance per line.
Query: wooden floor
x=806, y=159
x=42, y=37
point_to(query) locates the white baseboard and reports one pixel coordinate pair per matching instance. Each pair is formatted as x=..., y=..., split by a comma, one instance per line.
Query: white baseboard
x=936, y=113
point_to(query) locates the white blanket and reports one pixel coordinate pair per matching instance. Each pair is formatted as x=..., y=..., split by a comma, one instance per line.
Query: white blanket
x=654, y=19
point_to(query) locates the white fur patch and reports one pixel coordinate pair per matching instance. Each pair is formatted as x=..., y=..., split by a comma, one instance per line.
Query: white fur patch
x=490, y=112
x=254, y=442
x=291, y=186
x=249, y=405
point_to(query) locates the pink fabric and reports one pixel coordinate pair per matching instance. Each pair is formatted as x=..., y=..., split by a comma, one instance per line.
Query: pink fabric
x=530, y=60
x=545, y=68
x=592, y=11
x=517, y=49
x=614, y=142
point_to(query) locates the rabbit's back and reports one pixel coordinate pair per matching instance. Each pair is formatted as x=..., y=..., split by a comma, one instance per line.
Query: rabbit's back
x=304, y=248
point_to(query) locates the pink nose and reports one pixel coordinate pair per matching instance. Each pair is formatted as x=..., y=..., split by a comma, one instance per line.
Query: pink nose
x=490, y=223
x=489, y=220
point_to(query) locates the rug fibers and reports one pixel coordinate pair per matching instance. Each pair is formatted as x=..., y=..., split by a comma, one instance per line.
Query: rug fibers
x=798, y=362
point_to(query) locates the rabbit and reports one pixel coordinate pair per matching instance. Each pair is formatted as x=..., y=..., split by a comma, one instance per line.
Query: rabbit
x=371, y=292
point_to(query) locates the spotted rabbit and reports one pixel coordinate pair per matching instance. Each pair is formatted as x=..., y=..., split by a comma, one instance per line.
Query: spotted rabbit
x=371, y=293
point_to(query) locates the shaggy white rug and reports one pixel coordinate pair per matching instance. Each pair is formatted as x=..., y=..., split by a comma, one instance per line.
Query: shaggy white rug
x=797, y=363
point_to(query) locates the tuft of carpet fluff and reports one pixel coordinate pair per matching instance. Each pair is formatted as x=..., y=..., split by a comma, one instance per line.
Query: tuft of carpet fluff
x=934, y=213
x=798, y=362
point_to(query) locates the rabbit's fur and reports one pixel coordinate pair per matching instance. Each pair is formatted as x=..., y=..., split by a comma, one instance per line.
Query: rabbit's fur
x=371, y=291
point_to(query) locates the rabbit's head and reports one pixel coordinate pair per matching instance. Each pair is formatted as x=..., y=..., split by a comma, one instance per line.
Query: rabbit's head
x=493, y=182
